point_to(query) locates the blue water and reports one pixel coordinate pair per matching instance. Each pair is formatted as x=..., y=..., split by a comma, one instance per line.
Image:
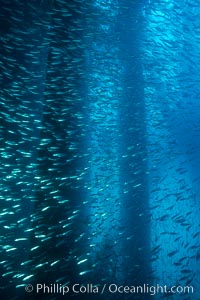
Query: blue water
x=99, y=149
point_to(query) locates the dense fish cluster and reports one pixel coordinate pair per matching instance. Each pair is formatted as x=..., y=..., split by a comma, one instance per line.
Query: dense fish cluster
x=99, y=145
x=41, y=132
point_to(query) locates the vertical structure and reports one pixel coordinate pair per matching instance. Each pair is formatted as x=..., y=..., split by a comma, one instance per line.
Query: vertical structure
x=104, y=93
x=134, y=187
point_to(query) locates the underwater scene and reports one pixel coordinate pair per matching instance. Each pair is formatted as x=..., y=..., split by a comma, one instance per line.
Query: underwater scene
x=100, y=149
